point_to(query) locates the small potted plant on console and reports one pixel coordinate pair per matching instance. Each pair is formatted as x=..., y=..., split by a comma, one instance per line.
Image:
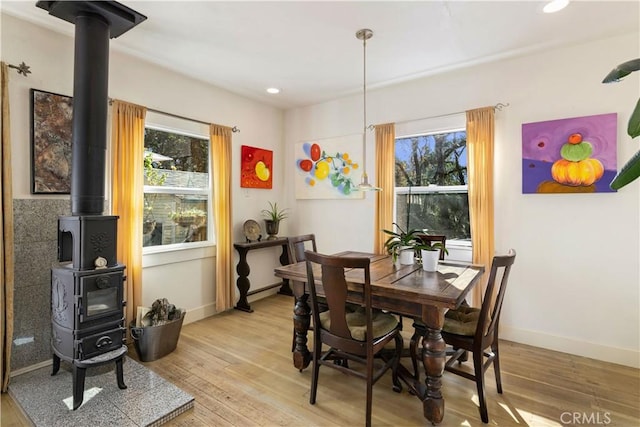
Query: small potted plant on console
x=272, y=218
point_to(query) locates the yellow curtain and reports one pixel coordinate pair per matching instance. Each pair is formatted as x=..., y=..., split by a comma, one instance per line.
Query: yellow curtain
x=221, y=161
x=480, y=135
x=6, y=225
x=385, y=175
x=127, y=142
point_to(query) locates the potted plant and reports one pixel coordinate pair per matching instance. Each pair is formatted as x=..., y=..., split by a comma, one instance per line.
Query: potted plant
x=402, y=244
x=188, y=217
x=272, y=218
x=631, y=170
x=430, y=254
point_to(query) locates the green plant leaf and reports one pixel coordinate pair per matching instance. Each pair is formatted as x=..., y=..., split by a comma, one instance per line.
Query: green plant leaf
x=633, y=129
x=629, y=172
x=622, y=70
x=273, y=213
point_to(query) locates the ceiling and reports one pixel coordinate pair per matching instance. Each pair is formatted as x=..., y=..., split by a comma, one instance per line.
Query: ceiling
x=309, y=49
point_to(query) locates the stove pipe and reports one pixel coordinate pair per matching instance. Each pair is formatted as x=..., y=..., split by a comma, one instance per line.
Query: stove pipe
x=95, y=23
x=90, y=101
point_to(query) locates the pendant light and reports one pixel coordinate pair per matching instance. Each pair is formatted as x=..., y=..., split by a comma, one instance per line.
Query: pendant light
x=364, y=35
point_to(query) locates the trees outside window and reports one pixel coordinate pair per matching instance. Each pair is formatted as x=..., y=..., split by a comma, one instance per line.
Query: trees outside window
x=431, y=183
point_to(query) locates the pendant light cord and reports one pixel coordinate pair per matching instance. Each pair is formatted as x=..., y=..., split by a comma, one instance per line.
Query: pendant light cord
x=364, y=35
x=364, y=97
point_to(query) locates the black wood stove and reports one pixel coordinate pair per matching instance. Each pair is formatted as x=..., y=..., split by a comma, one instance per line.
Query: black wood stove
x=87, y=301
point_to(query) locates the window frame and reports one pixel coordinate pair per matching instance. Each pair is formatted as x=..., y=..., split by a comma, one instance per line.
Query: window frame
x=432, y=188
x=208, y=191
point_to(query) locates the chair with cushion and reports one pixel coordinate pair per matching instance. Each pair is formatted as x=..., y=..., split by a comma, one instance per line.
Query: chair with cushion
x=476, y=330
x=352, y=336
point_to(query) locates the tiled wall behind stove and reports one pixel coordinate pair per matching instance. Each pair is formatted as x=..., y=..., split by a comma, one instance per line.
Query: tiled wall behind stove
x=36, y=243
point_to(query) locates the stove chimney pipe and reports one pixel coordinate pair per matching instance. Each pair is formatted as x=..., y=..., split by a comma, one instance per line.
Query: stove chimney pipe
x=96, y=22
x=90, y=102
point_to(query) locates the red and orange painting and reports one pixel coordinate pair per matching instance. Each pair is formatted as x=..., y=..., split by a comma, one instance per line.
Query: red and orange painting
x=256, y=167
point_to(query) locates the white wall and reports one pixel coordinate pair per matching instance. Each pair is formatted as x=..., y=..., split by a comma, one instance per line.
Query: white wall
x=575, y=285
x=186, y=278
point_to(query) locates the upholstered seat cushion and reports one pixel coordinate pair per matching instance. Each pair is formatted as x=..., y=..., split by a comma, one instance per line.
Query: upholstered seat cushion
x=383, y=323
x=462, y=321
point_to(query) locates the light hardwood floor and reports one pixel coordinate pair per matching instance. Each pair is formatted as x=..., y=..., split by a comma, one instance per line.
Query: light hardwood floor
x=238, y=367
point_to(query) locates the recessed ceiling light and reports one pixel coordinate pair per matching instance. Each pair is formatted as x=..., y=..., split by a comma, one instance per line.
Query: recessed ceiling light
x=273, y=90
x=555, y=6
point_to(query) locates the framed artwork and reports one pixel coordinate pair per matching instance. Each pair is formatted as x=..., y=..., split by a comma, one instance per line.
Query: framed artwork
x=256, y=167
x=51, y=118
x=576, y=155
x=329, y=168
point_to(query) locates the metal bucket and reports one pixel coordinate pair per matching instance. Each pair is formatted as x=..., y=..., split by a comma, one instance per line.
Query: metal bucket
x=154, y=342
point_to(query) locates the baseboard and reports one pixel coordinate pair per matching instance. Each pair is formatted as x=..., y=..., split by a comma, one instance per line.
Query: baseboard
x=208, y=310
x=202, y=312
x=259, y=294
x=31, y=368
x=621, y=356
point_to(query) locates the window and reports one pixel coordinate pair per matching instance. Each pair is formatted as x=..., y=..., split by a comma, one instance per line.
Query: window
x=177, y=188
x=431, y=183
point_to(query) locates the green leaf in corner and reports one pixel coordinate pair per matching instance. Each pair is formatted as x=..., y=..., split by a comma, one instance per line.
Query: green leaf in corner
x=622, y=70
x=633, y=129
x=629, y=172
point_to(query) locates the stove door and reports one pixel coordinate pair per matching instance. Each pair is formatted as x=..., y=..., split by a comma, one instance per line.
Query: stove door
x=101, y=296
x=100, y=343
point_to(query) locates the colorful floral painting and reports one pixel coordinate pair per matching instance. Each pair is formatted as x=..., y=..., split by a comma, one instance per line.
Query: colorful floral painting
x=256, y=167
x=576, y=155
x=329, y=168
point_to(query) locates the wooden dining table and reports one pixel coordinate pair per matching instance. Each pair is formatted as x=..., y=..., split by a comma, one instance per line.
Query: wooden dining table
x=407, y=290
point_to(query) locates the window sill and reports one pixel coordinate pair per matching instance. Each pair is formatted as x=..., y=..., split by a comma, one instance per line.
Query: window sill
x=171, y=254
x=459, y=243
x=459, y=250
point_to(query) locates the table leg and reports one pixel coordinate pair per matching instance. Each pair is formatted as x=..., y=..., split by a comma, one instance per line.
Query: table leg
x=284, y=260
x=434, y=358
x=301, y=321
x=243, y=282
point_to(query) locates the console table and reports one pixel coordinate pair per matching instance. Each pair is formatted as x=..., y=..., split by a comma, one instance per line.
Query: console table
x=243, y=269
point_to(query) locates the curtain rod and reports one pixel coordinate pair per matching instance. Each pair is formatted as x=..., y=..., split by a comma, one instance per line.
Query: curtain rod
x=499, y=106
x=22, y=68
x=233, y=129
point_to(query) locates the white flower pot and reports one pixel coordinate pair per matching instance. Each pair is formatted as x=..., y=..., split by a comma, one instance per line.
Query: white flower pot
x=430, y=260
x=407, y=255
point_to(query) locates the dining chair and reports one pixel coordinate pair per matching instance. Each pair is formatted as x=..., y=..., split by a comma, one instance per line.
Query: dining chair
x=433, y=238
x=475, y=330
x=298, y=244
x=353, y=336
